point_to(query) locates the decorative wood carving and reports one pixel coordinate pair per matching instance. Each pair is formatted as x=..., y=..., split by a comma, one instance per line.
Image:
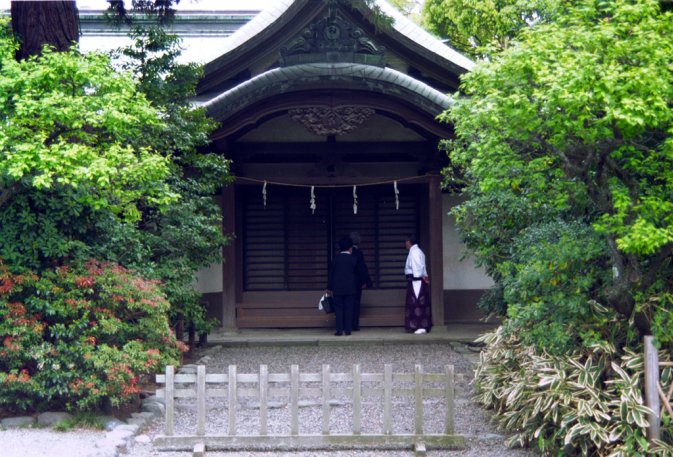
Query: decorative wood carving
x=332, y=39
x=326, y=120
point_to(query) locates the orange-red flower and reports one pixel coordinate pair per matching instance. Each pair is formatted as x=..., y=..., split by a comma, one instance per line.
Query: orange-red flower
x=6, y=285
x=16, y=309
x=11, y=344
x=84, y=281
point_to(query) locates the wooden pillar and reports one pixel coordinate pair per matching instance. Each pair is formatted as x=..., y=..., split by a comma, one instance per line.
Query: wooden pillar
x=435, y=252
x=229, y=279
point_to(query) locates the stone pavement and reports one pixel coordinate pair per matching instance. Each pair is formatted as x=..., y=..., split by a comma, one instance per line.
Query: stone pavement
x=464, y=333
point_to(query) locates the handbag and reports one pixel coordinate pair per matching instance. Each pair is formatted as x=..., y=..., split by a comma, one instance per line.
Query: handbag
x=326, y=304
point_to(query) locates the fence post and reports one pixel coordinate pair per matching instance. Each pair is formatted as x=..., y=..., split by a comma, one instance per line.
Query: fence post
x=357, y=400
x=170, y=402
x=233, y=400
x=387, y=398
x=294, y=399
x=449, y=397
x=418, y=419
x=263, y=397
x=201, y=400
x=325, y=399
x=651, y=388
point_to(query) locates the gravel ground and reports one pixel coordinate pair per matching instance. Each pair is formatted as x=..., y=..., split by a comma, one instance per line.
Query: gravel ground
x=471, y=421
x=32, y=442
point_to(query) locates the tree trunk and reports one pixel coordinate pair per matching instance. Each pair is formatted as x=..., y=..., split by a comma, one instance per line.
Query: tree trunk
x=36, y=23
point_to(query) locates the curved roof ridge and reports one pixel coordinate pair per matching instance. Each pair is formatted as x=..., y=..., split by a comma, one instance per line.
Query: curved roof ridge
x=265, y=18
x=401, y=24
x=226, y=101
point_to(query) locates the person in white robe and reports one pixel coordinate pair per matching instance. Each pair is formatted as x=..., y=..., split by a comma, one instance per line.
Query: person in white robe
x=418, y=311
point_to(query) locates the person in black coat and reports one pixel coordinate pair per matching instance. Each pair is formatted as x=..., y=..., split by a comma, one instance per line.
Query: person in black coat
x=362, y=279
x=342, y=286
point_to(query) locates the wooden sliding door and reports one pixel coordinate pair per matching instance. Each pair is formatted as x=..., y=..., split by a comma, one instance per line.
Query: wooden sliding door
x=287, y=249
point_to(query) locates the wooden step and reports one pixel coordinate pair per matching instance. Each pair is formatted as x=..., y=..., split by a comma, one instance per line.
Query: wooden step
x=314, y=318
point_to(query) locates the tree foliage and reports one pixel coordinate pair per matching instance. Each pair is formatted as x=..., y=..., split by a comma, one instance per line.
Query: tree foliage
x=481, y=27
x=173, y=244
x=100, y=162
x=567, y=135
x=70, y=124
x=162, y=10
x=410, y=8
x=96, y=158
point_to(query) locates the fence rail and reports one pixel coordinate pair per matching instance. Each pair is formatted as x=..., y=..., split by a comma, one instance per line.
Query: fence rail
x=326, y=386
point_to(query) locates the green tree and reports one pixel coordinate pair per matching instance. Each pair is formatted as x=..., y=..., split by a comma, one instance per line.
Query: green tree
x=162, y=10
x=70, y=124
x=480, y=27
x=165, y=241
x=410, y=8
x=573, y=123
x=70, y=157
x=173, y=244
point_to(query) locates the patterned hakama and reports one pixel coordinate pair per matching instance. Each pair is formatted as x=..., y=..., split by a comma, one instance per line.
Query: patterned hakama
x=417, y=312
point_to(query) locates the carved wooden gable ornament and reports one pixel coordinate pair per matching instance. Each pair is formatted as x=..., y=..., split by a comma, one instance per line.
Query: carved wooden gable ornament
x=326, y=120
x=332, y=39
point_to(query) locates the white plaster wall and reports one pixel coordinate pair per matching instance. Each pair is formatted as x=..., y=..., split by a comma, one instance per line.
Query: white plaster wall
x=209, y=279
x=194, y=49
x=458, y=274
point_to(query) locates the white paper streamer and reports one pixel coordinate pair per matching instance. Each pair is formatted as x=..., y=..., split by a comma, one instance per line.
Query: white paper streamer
x=397, y=196
x=264, y=194
x=313, y=207
x=355, y=199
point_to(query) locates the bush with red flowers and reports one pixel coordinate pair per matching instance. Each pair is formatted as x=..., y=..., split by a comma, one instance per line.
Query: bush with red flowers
x=80, y=337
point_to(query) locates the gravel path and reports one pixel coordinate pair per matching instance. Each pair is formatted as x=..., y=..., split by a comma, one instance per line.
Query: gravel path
x=482, y=439
x=32, y=442
x=471, y=421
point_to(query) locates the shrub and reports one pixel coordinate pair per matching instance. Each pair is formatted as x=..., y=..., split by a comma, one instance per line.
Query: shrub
x=554, y=271
x=80, y=336
x=588, y=402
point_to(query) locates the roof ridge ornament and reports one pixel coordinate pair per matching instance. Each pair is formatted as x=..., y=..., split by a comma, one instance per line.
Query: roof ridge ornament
x=332, y=39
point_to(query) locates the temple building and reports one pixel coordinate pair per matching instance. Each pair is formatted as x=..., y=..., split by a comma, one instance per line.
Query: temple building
x=328, y=110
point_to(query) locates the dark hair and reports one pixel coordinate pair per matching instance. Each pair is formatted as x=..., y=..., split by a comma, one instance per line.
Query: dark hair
x=345, y=244
x=412, y=239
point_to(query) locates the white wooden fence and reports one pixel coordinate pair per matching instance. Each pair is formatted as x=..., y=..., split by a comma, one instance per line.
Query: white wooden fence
x=356, y=387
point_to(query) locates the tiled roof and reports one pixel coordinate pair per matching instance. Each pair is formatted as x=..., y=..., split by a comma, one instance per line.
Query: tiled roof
x=256, y=25
x=401, y=24
x=290, y=79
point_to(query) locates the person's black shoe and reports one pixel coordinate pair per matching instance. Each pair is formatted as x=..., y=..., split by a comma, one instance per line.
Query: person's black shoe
x=348, y=333
x=338, y=334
